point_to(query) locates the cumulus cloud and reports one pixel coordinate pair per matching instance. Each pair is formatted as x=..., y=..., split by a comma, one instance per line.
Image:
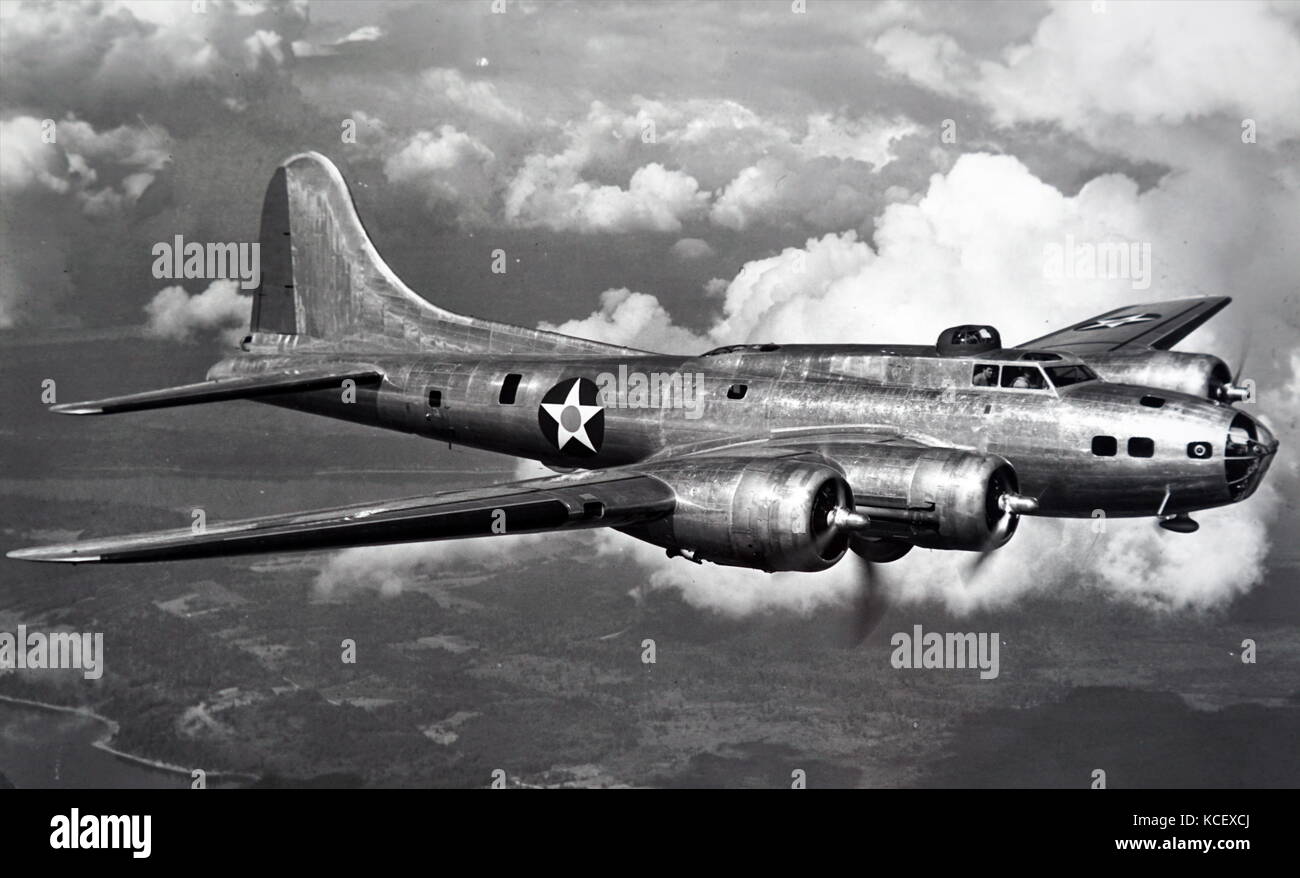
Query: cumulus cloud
x=1136, y=63
x=475, y=97
x=80, y=54
x=105, y=171
x=976, y=241
x=829, y=179
x=546, y=193
x=933, y=60
x=709, y=157
x=176, y=315
x=357, y=40
x=1196, y=59
x=635, y=320
x=450, y=166
x=863, y=140
x=53, y=175
x=687, y=249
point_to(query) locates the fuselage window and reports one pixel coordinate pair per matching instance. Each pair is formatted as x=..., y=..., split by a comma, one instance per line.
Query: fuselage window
x=1022, y=377
x=985, y=375
x=737, y=391
x=1104, y=446
x=1140, y=446
x=435, y=399
x=1153, y=402
x=509, y=387
x=1200, y=450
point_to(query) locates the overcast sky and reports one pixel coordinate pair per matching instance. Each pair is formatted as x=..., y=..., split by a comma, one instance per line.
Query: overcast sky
x=676, y=175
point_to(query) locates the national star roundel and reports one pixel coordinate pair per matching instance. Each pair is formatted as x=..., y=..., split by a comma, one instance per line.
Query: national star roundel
x=572, y=418
x=1115, y=322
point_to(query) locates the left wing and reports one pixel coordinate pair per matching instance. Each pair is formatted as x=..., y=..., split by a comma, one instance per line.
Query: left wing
x=222, y=389
x=1159, y=325
x=608, y=498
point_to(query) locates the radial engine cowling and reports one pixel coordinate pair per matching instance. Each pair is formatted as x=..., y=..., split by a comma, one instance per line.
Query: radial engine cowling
x=766, y=513
x=937, y=498
x=1202, y=375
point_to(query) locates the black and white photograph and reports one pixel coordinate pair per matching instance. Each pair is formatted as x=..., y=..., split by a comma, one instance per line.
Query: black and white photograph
x=516, y=394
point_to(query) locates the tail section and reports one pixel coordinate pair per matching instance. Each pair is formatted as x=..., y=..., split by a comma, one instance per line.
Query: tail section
x=325, y=285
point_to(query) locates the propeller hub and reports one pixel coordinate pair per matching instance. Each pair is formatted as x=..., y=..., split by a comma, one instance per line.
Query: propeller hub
x=1017, y=503
x=846, y=519
x=1231, y=393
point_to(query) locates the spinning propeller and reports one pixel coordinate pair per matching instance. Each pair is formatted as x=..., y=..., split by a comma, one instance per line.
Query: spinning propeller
x=1232, y=391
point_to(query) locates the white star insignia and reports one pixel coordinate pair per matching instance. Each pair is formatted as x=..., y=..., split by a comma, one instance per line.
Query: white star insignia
x=1116, y=322
x=584, y=414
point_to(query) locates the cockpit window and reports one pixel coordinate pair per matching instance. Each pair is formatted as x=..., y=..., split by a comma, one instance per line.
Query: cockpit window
x=985, y=375
x=1064, y=376
x=742, y=348
x=1022, y=377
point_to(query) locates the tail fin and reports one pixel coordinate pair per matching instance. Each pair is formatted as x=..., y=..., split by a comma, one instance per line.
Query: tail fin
x=321, y=275
x=323, y=280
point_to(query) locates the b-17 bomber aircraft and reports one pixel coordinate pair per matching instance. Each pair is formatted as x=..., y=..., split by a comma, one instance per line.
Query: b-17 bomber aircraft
x=768, y=456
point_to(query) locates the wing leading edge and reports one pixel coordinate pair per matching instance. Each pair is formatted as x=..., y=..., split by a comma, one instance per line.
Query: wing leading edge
x=222, y=389
x=1159, y=325
x=610, y=498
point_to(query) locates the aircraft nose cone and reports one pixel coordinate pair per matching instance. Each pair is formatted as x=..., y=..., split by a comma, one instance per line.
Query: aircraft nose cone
x=1266, y=438
x=1248, y=454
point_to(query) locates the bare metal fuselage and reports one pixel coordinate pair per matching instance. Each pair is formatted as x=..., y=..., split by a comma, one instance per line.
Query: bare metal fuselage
x=829, y=395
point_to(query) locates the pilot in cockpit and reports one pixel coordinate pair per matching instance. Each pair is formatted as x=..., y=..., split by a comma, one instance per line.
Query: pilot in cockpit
x=985, y=376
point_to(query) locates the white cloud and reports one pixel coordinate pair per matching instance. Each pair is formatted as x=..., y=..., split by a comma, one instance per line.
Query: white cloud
x=176, y=315
x=863, y=140
x=750, y=195
x=476, y=97
x=687, y=249
x=634, y=320
x=1133, y=63
x=82, y=52
x=27, y=161
x=451, y=166
x=79, y=158
x=1151, y=63
x=546, y=193
x=973, y=243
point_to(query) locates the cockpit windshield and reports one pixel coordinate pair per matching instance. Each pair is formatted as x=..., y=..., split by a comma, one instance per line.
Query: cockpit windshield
x=1064, y=376
x=742, y=348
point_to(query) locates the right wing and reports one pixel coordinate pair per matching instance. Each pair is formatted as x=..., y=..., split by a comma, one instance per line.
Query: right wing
x=609, y=498
x=1159, y=325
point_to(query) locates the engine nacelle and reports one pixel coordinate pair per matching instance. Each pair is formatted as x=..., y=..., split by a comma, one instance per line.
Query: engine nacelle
x=766, y=513
x=1200, y=375
x=937, y=498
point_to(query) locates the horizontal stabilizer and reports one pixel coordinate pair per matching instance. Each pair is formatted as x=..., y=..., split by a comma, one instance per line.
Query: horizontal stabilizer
x=220, y=390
